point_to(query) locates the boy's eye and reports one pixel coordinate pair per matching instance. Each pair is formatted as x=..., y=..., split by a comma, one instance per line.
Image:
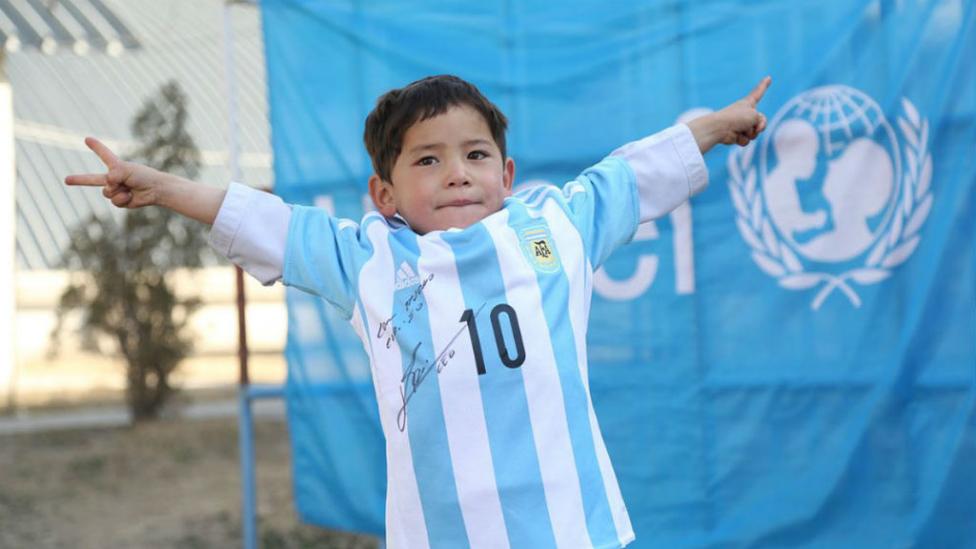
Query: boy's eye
x=477, y=155
x=426, y=161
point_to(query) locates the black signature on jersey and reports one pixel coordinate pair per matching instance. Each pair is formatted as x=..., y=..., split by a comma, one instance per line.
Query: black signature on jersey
x=418, y=370
x=411, y=305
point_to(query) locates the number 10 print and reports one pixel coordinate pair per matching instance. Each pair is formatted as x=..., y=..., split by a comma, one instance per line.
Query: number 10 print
x=503, y=350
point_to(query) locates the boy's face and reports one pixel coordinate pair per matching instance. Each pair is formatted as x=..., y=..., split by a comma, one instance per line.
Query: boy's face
x=450, y=173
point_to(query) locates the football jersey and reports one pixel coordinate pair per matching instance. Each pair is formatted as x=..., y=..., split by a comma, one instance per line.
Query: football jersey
x=477, y=343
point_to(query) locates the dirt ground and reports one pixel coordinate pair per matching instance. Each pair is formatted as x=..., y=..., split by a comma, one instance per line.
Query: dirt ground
x=171, y=483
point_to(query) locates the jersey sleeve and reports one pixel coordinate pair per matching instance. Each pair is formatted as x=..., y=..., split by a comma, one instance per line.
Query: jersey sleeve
x=302, y=246
x=641, y=181
x=324, y=255
x=257, y=246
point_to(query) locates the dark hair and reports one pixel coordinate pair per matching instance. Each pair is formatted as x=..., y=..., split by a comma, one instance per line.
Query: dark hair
x=397, y=110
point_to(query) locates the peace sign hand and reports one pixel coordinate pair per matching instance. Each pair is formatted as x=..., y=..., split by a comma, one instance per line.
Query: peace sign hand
x=126, y=184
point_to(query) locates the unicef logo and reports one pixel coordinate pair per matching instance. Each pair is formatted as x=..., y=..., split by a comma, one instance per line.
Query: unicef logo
x=832, y=200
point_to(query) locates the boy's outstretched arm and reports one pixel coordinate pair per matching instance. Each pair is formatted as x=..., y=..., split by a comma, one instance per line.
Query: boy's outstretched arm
x=133, y=185
x=738, y=123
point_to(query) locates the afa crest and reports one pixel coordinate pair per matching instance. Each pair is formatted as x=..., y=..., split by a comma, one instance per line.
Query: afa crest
x=538, y=248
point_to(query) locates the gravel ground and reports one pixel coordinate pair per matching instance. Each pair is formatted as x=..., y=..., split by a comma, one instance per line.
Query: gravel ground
x=169, y=483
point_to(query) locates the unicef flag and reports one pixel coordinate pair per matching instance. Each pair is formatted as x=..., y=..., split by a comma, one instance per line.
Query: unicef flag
x=789, y=360
x=835, y=182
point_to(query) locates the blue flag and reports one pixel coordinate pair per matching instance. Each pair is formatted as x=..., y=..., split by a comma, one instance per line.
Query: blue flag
x=789, y=360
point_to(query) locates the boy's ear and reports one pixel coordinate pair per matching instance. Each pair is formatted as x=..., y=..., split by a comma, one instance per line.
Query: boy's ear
x=383, y=195
x=508, y=177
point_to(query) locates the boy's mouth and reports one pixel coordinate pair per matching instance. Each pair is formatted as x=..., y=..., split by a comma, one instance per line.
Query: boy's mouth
x=458, y=202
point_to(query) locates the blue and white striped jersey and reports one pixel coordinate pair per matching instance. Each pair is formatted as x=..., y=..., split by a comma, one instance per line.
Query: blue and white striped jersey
x=477, y=343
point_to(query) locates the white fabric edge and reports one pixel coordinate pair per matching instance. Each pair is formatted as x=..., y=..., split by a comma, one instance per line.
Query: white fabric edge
x=664, y=185
x=257, y=245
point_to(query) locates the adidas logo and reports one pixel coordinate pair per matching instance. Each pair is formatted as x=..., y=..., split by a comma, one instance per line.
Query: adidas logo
x=405, y=277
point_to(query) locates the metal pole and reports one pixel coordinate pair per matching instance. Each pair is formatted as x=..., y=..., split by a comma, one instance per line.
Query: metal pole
x=8, y=288
x=245, y=424
x=242, y=352
x=248, y=492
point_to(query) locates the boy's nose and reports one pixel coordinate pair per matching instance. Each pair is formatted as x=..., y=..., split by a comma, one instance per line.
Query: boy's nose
x=457, y=175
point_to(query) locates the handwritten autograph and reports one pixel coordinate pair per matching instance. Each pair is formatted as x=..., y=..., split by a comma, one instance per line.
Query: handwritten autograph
x=411, y=306
x=415, y=374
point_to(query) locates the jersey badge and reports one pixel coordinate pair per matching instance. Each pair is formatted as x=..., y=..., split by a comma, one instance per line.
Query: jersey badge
x=538, y=249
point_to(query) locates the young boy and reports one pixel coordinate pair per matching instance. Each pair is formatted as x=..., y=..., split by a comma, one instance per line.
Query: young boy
x=471, y=303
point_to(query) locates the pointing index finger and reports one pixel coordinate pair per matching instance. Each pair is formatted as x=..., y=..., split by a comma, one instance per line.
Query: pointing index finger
x=87, y=180
x=757, y=93
x=104, y=153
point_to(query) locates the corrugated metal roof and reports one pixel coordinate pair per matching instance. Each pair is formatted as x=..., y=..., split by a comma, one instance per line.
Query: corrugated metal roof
x=61, y=97
x=49, y=25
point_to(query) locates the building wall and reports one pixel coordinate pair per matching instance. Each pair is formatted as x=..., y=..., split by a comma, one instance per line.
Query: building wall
x=78, y=375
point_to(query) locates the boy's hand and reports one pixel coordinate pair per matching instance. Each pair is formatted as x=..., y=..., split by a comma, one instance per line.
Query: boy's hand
x=738, y=123
x=132, y=185
x=126, y=184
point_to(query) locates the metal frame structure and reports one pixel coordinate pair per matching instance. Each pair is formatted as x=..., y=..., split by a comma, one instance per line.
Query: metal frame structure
x=247, y=392
x=76, y=24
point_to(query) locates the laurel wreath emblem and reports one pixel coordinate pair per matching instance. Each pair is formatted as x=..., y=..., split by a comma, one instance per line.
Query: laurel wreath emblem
x=895, y=246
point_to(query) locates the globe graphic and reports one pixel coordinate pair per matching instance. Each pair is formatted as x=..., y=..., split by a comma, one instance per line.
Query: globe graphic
x=830, y=171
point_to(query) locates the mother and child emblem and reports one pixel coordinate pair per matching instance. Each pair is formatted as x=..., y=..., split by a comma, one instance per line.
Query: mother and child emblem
x=833, y=198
